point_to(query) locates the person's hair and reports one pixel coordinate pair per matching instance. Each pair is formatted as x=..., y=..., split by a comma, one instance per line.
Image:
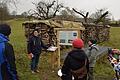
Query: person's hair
x=35, y=30
x=5, y=29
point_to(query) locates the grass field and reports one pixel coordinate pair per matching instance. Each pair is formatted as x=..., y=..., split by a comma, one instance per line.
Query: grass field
x=103, y=70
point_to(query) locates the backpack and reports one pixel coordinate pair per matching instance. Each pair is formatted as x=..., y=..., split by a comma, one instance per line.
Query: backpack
x=2, y=57
x=80, y=73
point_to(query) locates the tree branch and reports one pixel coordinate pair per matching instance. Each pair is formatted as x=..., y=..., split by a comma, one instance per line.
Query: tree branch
x=78, y=12
x=85, y=17
x=101, y=17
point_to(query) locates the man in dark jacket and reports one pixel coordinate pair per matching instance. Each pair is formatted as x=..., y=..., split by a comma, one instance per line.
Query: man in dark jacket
x=7, y=58
x=76, y=63
x=34, y=47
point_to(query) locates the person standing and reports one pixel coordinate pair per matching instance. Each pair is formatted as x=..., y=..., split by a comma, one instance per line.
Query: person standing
x=76, y=63
x=7, y=57
x=34, y=47
x=92, y=55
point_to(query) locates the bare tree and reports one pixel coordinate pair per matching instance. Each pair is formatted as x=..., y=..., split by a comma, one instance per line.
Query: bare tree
x=85, y=16
x=25, y=14
x=101, y=15
x=46, y=10
x=4, y=12
x=9, y=2
x=68, y=14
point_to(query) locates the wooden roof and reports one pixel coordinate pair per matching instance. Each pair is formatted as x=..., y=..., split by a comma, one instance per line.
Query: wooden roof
x=57, y=24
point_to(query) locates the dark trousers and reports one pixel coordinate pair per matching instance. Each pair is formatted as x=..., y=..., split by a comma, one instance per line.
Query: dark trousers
x=69, y=77
x=35, y=61
x=90, y=73
x=84, y=78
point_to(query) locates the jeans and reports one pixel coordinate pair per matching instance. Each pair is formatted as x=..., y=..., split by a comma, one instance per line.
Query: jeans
x=90, y=73
x=35, y=61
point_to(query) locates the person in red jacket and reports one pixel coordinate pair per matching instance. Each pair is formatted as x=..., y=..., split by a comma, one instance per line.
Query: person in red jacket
x=76, y=63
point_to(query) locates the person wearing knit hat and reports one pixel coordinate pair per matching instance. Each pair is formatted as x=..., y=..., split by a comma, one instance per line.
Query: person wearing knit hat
x=76, y=63
x=5, y=29
x=92, y=55
x=7, y=57
x=78, y=43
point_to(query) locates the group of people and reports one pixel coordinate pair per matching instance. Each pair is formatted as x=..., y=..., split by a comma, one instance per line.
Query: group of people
x=77, y=64
x=7, y=58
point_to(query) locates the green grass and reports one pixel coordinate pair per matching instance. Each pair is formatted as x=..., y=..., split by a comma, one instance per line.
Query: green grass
x=114, y=38
x=103, y=70
x=18, y=40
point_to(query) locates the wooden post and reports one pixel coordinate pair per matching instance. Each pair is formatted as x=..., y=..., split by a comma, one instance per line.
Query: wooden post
x=53, y=59
x=79, y=34
x=58, y=55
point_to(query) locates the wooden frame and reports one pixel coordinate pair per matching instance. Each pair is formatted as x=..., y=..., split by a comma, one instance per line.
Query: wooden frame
x=58, y=40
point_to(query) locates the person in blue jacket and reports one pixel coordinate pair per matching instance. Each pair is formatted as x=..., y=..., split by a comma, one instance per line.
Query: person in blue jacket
x=34, y=48
x=7, y=57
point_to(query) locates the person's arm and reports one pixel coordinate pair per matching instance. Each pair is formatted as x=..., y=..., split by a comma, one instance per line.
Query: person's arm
x=66, y=73
x=29, y=46
x=9, y=54
x=43, y=45
x=93, y=55
x=87, y=65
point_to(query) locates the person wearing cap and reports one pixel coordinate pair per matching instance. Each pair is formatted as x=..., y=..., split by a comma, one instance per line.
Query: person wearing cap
x=34, y=48
x=7, y=57
x=76, y=63
x=92, y=55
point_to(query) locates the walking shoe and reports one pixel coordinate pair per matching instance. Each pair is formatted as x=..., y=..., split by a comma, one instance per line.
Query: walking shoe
x=33, y=72
x=37, y=71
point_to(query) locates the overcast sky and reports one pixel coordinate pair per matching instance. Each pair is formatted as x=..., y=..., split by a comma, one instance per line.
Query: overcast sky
x=86, y=5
